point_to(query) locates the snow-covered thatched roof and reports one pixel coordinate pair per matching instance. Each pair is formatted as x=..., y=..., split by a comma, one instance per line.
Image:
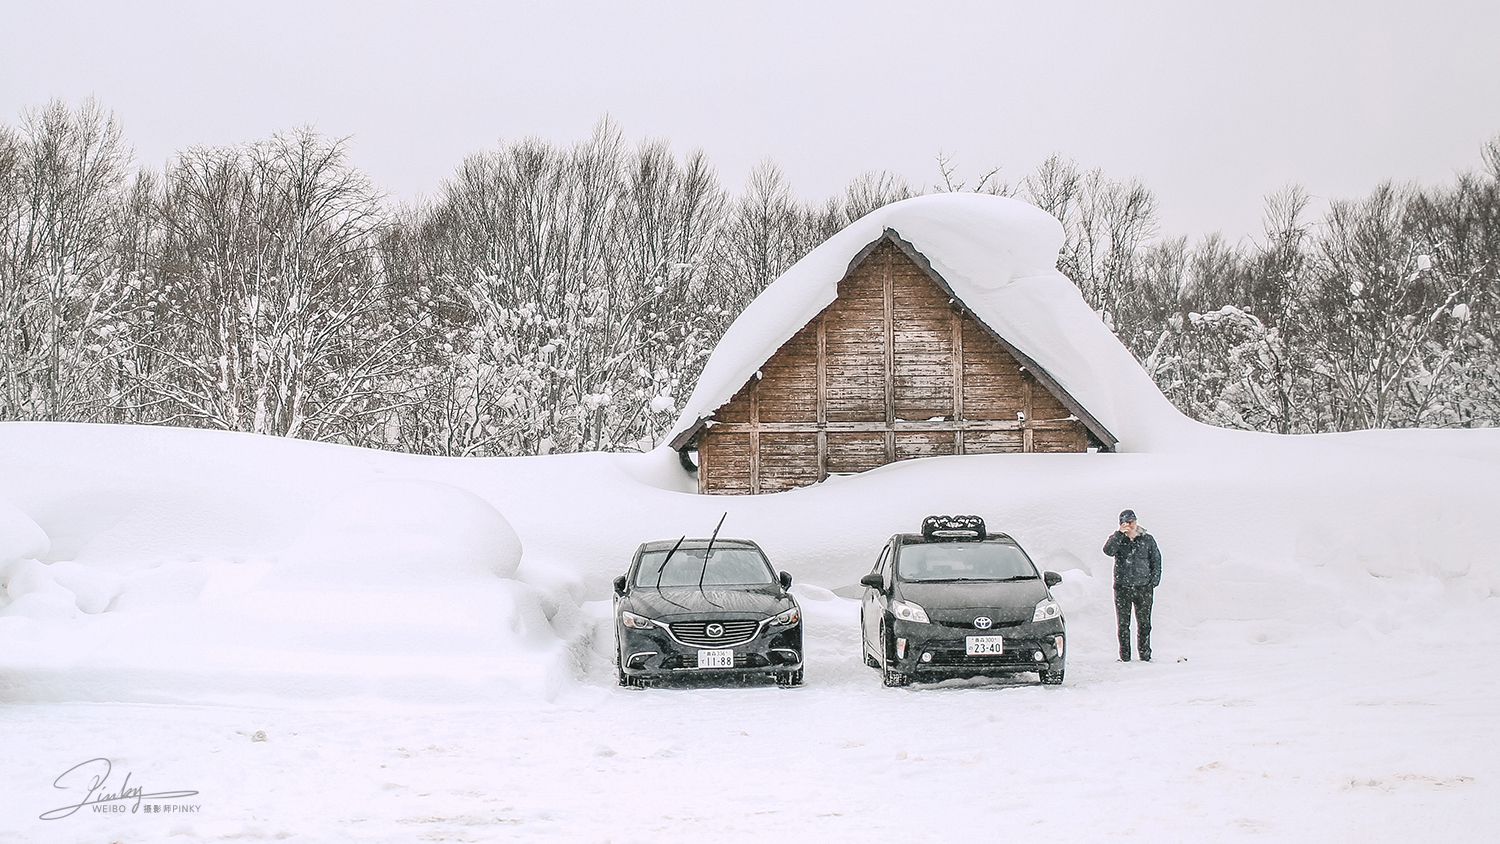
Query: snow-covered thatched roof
x=999, y=256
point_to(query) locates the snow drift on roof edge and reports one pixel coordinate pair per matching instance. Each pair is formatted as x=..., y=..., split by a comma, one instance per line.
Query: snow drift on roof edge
x=1000, y=256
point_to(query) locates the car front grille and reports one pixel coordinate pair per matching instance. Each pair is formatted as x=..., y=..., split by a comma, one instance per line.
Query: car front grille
x=968, y=624
x=695, y=633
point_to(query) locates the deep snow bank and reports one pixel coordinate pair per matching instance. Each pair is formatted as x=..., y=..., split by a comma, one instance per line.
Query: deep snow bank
x=405, y=532
x=161, y=564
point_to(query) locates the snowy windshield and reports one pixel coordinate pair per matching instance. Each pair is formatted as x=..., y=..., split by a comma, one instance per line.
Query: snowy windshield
x=964, y=561
x=729, y=566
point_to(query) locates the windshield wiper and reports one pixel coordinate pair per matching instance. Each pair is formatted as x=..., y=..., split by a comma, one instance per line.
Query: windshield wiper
x=663, y=569
x=707, y=552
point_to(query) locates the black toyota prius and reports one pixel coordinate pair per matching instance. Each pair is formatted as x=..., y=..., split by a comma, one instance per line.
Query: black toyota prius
x=705, y=607
x=958, y=601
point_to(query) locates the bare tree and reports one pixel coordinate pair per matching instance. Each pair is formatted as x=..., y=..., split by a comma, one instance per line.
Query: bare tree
x=266, y=312
x=1107, y=224
x=61, y=176
x=872, y=190
x=761, y=236
x=949, y=182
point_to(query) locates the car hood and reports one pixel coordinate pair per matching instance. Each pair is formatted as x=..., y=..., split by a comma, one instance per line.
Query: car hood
x=679, y=602
x=1004, y=601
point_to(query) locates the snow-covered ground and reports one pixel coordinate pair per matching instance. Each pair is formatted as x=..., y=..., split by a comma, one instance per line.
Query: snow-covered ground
x=423, y=644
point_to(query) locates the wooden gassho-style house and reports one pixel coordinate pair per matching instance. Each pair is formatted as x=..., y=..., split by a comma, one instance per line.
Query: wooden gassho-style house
x=897, y=367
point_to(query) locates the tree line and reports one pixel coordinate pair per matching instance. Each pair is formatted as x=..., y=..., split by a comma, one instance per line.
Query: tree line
x=559, y=298
x=1381, y=313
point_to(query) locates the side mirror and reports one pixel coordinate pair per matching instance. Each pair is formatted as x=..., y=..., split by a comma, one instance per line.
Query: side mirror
x=620, y=585
x=1051, y=578
x=786, y=580
x=874, y=581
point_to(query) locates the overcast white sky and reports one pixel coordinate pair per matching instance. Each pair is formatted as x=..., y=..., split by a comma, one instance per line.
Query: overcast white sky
x=1211, y=105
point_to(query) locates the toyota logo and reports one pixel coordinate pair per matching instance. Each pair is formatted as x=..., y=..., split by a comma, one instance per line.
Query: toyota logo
x=717, y=630
x=982, y=623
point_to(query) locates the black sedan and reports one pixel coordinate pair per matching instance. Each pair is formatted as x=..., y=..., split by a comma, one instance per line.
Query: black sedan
x=956, y=601
x=705, y=607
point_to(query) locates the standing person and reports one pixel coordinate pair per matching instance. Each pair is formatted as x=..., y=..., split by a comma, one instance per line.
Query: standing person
x=1137, y=573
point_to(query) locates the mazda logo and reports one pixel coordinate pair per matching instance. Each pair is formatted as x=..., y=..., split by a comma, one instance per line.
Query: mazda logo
x=982, y=623
x=717, y=630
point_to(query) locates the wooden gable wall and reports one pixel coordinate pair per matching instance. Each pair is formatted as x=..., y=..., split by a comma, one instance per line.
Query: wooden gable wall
x=890, y=371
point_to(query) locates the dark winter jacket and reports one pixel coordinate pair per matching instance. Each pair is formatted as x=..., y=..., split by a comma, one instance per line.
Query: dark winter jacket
x=1137, y=561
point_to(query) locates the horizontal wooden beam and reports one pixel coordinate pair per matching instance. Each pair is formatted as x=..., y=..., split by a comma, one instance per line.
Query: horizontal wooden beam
x=899, y=426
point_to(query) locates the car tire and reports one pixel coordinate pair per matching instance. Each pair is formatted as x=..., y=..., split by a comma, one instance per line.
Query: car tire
x=864, y=643
x=788, y=679
x=887, y=676
x=626, y=681
x=1052, y=677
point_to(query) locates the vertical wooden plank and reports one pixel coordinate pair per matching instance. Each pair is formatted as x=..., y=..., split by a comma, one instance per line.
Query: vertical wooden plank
x=890, y=359
x=822, y=419
x=958, y=381
x=1028, y=442
x=822, y=454
x=705, y=459
x=755, y=438
x=822, y=371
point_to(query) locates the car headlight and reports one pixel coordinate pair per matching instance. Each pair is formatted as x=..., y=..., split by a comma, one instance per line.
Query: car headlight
x=907, y=611
x=1046, y=608
x=639, y=622
x=791, y=616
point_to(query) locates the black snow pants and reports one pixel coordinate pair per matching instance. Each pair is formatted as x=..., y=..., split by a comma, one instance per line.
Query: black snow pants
x=1138, y=597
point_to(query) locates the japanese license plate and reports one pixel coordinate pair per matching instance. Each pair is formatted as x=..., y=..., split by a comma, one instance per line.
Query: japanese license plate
x=982, y=645
x=723, y=658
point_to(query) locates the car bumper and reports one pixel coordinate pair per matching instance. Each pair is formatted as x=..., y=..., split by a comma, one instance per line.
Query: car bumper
x=654, y=653
x=936, y=651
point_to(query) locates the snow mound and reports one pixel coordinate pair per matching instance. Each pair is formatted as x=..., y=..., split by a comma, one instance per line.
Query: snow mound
x=394, y=589
x=285, y=572
x=999, y=255
x=387, y=532
x=20, y=537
